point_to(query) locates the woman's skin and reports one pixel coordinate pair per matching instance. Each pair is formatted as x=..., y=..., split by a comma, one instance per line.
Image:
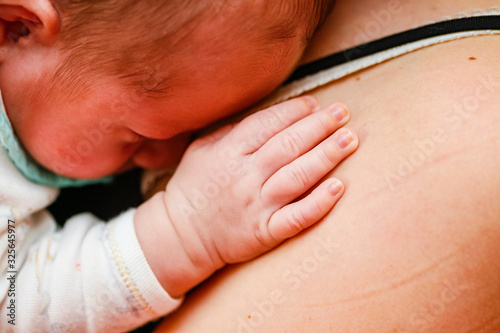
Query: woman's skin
x=413, y=244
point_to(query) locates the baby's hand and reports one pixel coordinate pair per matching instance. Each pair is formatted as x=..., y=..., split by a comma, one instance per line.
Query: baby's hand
x=239, y=192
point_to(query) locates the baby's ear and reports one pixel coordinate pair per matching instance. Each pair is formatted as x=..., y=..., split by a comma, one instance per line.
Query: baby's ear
x=37, y=20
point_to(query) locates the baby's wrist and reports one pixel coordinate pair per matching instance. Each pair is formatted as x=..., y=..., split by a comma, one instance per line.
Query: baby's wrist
x=175, y=258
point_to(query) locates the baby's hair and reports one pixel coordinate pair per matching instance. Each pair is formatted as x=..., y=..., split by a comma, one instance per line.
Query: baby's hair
x=119, y=38
x=128, y=39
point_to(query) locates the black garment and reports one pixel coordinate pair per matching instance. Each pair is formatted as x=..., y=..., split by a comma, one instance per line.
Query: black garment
x=105, y=201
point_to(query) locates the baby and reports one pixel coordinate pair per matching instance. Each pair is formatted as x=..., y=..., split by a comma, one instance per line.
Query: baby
x=94, y=88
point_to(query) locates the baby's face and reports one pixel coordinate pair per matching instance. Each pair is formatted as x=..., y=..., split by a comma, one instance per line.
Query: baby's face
x=112, y=127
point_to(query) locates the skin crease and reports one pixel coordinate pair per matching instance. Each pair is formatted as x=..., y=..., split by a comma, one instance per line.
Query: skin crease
x=412, y=254
x=133, y=130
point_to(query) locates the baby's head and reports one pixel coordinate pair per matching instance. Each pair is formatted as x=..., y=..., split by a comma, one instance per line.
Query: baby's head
x=95, y=87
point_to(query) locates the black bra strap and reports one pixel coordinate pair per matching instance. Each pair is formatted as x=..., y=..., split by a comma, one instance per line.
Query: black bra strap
x=490, y=22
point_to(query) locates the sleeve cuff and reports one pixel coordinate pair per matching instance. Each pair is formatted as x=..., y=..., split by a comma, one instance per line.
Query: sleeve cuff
x=134, y=269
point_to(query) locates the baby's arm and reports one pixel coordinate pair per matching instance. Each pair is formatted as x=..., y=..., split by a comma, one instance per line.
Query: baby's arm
x=234, y=195
x=88, y=276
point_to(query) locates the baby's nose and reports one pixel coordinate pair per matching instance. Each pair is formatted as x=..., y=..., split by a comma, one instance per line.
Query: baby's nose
x=157, y=154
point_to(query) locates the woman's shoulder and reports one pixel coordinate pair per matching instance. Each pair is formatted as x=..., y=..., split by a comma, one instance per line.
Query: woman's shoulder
x=454, y=67
x=460, y=76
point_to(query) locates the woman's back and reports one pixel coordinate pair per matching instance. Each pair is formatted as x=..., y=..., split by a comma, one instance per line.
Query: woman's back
x=413, y=244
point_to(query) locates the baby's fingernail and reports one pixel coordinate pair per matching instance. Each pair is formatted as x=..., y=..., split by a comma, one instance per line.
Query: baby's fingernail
x=335, y=187
x=344, y=137
x=340, y=112
x=312, y=102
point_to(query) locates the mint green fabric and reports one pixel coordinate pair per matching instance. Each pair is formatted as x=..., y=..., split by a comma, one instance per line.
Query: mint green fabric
x=28, y=166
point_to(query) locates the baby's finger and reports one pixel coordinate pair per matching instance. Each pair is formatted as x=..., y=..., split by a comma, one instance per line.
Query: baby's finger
x=296, y=178
x=295, y=217
x=299, y=138
x=252, y=132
